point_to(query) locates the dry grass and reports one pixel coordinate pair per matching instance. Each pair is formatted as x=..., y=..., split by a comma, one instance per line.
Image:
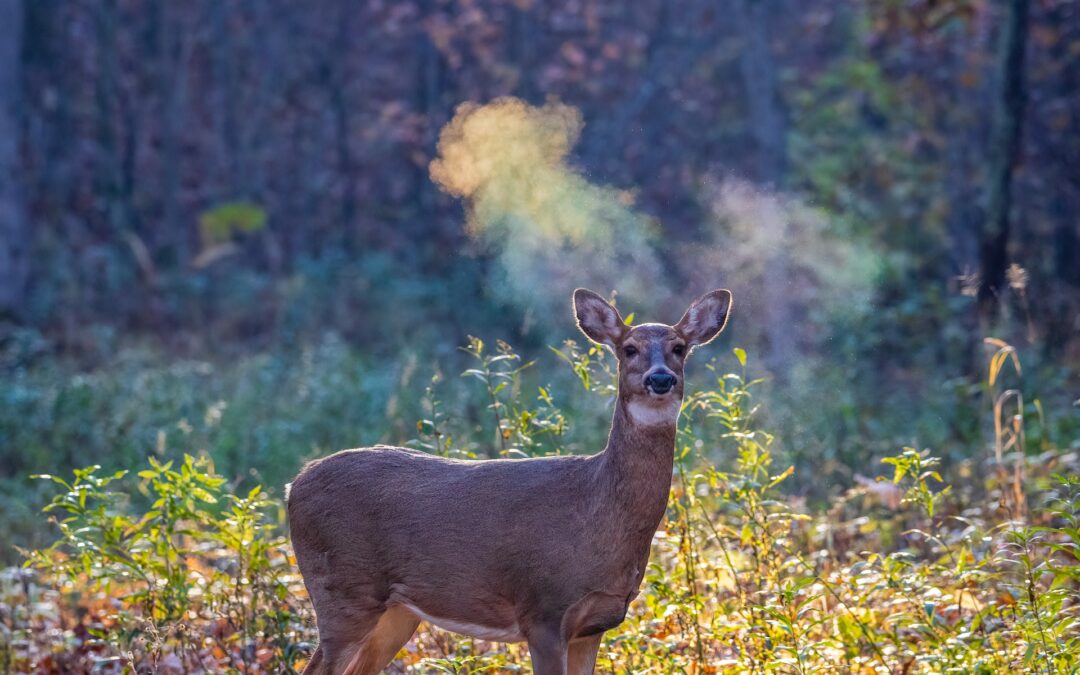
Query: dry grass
x=902, y=575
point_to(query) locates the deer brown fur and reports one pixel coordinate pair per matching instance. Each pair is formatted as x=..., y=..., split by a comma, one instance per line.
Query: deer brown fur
x=548, y=550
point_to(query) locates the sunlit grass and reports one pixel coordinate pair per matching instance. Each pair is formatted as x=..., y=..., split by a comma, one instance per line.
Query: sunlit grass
x=900, y=575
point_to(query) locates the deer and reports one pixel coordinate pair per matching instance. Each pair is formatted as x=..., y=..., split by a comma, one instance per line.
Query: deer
x=549, y=550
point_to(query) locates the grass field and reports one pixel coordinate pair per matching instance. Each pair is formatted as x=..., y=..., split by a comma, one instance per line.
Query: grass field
x=169, y=569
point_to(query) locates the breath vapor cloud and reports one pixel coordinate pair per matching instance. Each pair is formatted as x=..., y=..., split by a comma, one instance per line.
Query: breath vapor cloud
x=549, y=228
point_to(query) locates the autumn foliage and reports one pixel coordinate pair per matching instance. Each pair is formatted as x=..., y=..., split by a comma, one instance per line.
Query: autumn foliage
x=902, y=575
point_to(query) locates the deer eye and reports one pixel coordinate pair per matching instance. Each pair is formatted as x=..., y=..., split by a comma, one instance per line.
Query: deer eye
x=630, y=351
x=678, y=350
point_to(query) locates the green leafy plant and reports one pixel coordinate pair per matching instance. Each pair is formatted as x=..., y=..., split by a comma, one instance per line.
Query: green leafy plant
x=199, y=570
x=920, y=468
x=744, y=576
x=519, y=427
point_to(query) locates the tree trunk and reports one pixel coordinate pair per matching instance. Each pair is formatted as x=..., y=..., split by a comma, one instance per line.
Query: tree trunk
x=524, y=35
x=172, y=80
x=768, y=125
x=429, y=94
x=1004, y=151
x=963, y=124
x=14, y=227
x=961, y=127
x=768, y=118
x=226, y=79
x=341, y=107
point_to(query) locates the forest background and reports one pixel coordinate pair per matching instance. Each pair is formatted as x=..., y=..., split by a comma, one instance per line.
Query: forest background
x=221, y=230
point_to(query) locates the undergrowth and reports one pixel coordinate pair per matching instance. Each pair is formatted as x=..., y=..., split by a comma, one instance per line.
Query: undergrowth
x=170, y=570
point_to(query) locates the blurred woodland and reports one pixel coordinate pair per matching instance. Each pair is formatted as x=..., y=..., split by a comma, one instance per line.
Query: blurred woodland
x=236, y=235
x=221, y=229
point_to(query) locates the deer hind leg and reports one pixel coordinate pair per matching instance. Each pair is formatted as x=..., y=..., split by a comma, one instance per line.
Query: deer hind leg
x=581, y=656
x=375, y=650
x=548, y=652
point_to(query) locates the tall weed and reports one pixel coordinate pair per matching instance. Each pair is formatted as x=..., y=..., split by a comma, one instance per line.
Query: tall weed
x=907, y=573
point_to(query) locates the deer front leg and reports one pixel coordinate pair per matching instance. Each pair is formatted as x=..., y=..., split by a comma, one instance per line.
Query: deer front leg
x=548, y=652
x=581, y=656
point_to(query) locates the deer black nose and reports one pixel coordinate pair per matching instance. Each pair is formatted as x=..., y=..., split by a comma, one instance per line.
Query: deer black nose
x=660, y=383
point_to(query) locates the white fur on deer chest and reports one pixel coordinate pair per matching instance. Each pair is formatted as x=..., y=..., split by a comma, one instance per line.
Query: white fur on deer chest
x=646, y=415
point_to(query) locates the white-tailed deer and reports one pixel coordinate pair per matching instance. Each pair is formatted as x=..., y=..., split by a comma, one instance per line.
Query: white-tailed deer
x=549, y=550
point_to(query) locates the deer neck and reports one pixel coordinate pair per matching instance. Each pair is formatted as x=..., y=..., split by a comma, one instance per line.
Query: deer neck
x=637, y=465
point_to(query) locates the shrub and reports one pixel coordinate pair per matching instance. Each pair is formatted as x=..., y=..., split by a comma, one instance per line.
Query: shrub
x=901, y=575
x=200, y=577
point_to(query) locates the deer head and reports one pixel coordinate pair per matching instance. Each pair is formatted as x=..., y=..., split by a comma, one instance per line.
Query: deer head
x=651, y=356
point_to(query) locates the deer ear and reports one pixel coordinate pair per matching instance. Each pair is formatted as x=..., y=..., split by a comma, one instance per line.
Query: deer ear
x=596, y=318
x=705, y=318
